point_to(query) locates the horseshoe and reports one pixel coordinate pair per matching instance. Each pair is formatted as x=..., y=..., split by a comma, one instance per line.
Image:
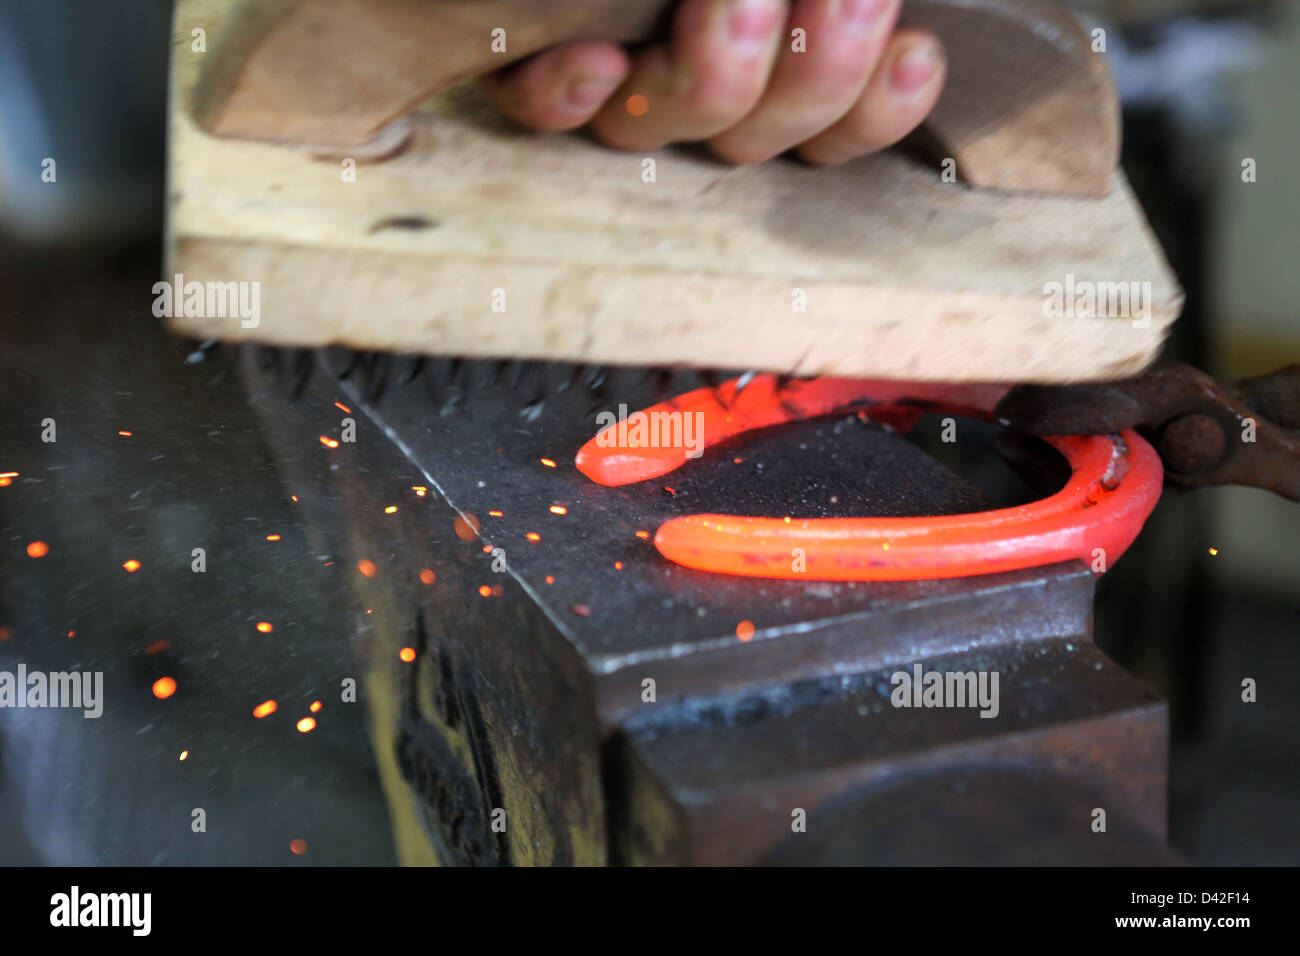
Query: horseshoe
x=1114, y=487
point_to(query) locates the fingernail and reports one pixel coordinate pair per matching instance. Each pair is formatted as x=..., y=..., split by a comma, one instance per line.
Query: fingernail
x=751, y=23
x=863, y=15
x=588, y=91
x=915, y=68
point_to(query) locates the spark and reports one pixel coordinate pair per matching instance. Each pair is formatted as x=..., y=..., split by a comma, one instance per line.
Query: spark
x=643, y=534
x=265, y=627
x=164, y=687
x=427, y=576
x=299, y=847
x=272, y=537
x=618, y=565
x=533, y=536
x=341, y=406
x=38, y=549
x=745, y=630
x=484, y=590
x=497, y=514
x=184, y=754
x=548, y=463
x=131, y=565
x=550, y=579
x=328, y=442
x=1214, y=551
x=315, y=706
x=125, y=434
x=420, y=490
x=391, y=510
x=559, y=510
x=306, y=725
x=366, y=567
x=265, y=709
x=407, y=654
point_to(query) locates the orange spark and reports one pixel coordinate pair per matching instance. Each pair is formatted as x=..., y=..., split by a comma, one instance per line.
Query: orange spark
x=533, y=536
x=315, y=706
x=184, y=754
x=391, y=510
x=496, y=514
x=618, y=565
x=8, y=474
x=5, y=480
x=157, y=647
x=328, y=442
x=272, y=537
x=294, y=498
x=407, y=654
x=484, y=590
x=420, y=490
x=466, y=527
x=72, y=633
x=548, y=463
x=299, y=847
x=745, y=630
x=131, y=565
x=38, y=549
x=643, y=534
x=427, y=576
x=340, y=405
x=306, y=725
x=366, y=567
x=265, y=627
x=559, y=510
x=265, y=709
x=550, y=579
x=125, y=434
x=164, y=687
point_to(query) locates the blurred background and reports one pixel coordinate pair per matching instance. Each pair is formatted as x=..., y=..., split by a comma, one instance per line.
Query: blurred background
x=161, y=451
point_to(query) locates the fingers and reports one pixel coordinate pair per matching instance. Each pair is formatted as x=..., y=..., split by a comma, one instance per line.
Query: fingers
x=817, y=78
x=562, y=88
x=902, y=91
x=709, y=77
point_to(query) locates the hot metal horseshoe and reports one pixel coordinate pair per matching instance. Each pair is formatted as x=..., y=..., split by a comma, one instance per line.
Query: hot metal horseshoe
x=1115, y=485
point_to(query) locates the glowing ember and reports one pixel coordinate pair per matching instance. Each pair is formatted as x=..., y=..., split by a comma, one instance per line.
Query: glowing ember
x=8, y=474
x=38, y=549
x=498, y=590
x=72, y=633
x=669, y=490
x=391, y=510
x=548, y=463
x=407, y=654
x=745, y=630
x=484, y=590
x=487, y=549
x=328, y=442
x=618, y=565
x=1214, y=551
x=265, y=709
x=131, y=566
x=164, y=687
x=125, y=434
x=420, y=490
x=342, y=407
x=184, y=754
x=559, y=510
x=737, y=461
x=496, y=514
x=6, y=633
x=299, y=847
x=293, y=498
x=427, y=576
x=643, y=534
x=581, y=610
x=466, y=527
x=366, y=567
x=265, y=627
x=5, y=480
x=272, y=537
x=157, y=647
x=533, y=536
x=550, y=579
x=315, y=706
x=306, y=725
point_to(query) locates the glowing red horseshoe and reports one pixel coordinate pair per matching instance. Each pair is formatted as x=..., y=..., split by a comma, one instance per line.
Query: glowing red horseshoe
x=1115, y=485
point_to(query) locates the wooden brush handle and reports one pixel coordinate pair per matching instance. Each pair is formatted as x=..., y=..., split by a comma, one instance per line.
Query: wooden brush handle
x=1028, y=105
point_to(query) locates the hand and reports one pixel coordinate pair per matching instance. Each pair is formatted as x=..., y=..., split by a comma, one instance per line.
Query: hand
x=736, y=76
